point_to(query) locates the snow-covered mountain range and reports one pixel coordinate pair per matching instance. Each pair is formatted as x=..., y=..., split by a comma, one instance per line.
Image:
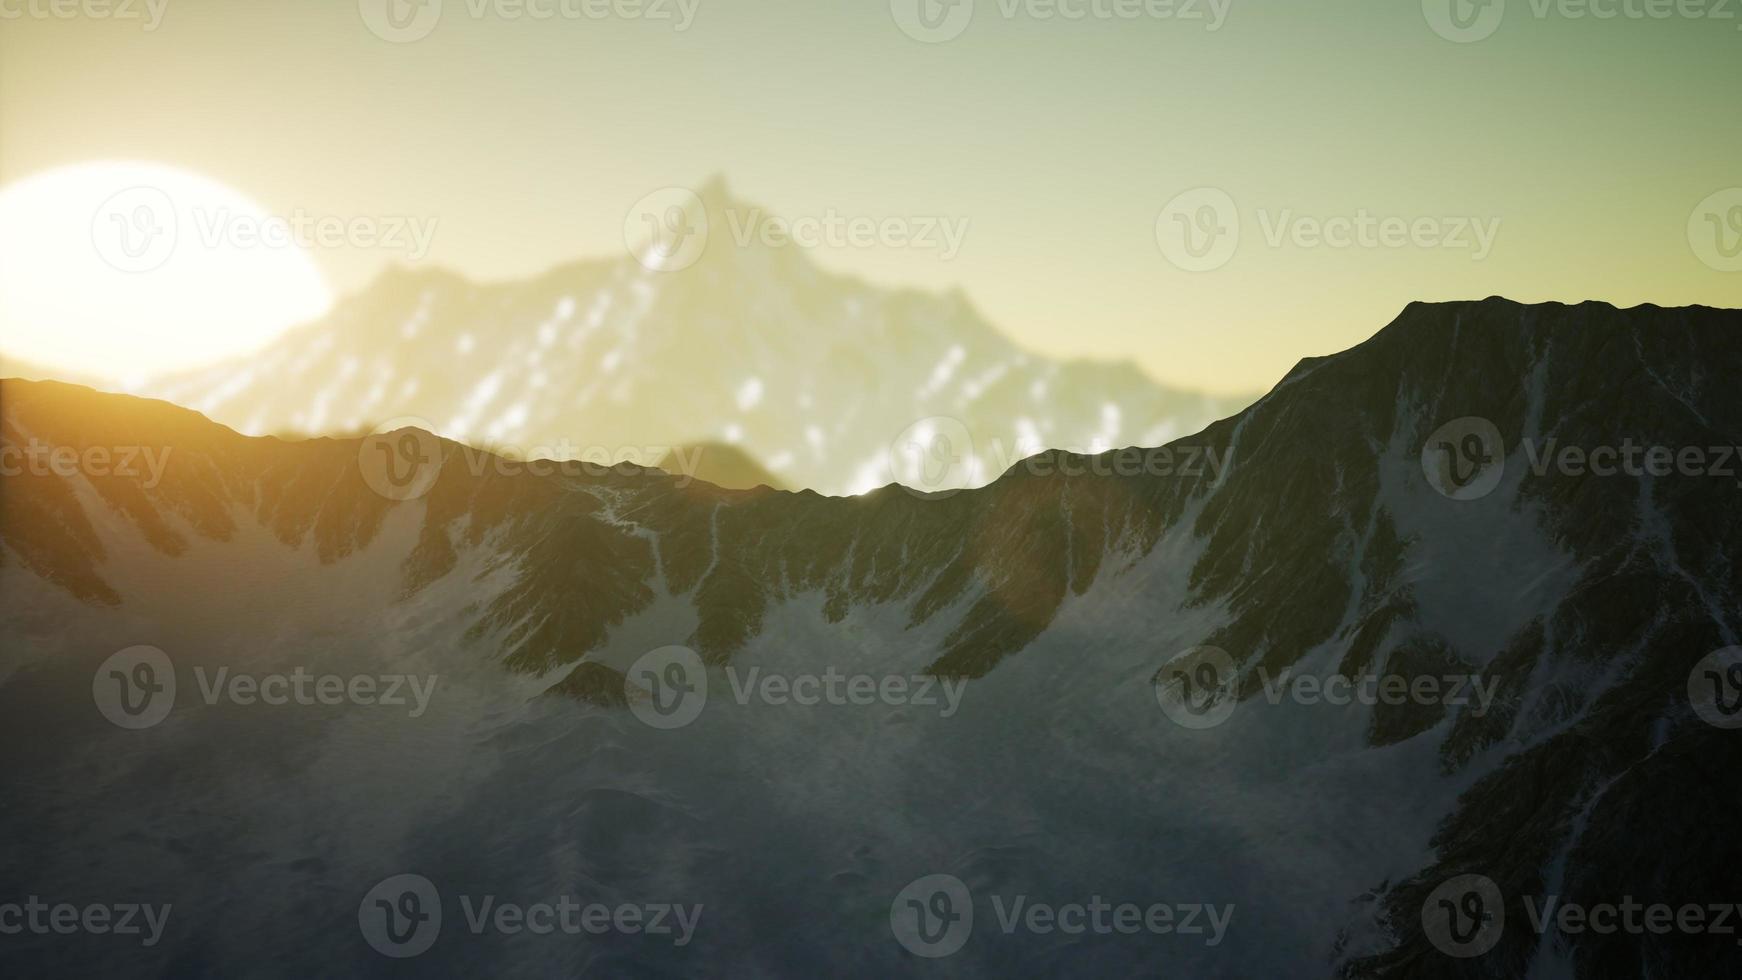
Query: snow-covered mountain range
x=820, y=377
x=1473, y=504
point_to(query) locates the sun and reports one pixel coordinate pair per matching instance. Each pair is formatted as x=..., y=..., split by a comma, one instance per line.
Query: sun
x=124, y=270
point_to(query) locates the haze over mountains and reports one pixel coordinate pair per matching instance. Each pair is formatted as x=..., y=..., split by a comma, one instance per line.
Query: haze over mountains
x=815, y=376
x=1345, y=525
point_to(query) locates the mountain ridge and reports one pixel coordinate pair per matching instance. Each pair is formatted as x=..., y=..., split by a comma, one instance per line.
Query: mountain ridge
x=816, y=374
x=1325, y=547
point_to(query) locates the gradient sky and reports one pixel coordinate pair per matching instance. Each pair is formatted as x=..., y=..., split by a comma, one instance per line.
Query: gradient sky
x=1590, y=140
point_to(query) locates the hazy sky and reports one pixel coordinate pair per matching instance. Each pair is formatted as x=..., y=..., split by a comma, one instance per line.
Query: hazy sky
x=1590, y=141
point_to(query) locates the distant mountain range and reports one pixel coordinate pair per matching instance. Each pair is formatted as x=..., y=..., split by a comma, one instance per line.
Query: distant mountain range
x=818, y=377
x=1405, y=510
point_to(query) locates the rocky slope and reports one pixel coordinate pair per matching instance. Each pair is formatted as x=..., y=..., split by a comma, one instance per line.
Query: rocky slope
x=1306, y=534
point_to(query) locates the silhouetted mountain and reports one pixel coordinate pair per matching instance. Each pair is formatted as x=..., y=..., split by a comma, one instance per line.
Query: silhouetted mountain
x=1352, y=523
x=720, y=464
